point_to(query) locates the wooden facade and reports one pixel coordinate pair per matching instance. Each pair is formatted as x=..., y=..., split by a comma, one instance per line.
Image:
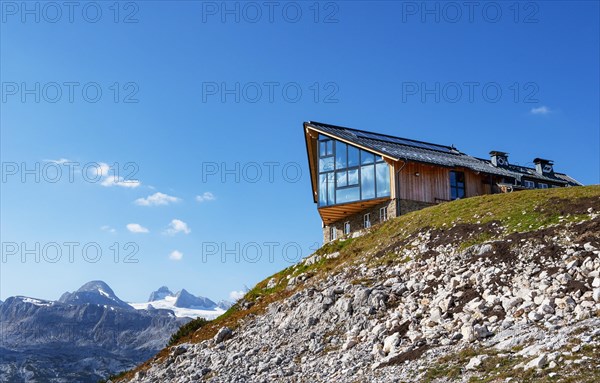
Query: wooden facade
x=420, y=174
x=429, y=183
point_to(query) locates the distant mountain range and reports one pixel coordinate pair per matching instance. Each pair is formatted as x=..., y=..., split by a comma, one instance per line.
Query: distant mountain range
x=90, y=333
x=183, y=304
x=183, y=299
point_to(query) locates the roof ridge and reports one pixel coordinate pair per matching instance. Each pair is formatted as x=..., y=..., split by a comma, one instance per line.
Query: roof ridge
x=421, y=151
x=381, y=134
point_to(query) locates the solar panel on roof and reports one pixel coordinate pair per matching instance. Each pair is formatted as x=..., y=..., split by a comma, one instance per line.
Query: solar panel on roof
x=368, y=135
x=401, y=141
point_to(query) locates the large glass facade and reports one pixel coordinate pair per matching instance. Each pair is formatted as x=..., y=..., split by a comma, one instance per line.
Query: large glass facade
x=348, y=174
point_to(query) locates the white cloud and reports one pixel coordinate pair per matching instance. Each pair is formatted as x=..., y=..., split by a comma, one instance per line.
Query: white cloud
x=102, y=172
x=156, y=199
x=175, y=255
x=120, y=181
x=236, y=295
x=108, y=229
x=540, y=110
x=60, y=161
x=178, y=226
x=136, y=228
x=96, y=170
x=206, y=196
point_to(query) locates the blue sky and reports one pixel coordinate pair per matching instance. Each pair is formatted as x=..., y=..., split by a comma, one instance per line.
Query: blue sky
x=190, y=89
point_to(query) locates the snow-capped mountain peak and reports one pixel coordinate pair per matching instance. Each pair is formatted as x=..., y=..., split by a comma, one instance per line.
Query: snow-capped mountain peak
x=187, y=300
x=183, y=304
x=161, y=293
x=98, y=286
x=94, y=292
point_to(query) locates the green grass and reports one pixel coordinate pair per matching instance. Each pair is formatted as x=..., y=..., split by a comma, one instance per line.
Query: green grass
x=498, y=367
x=114, y=377
x=389, y=259
x=514, y=212
x=519, y=211
x=334, y=246
x=477, y=240
x=449, y=366
x=495, y=368
x=186, y=330
x=321, y=265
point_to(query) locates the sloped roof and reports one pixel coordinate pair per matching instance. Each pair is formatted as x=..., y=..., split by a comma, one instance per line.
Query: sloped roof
x=397, y=148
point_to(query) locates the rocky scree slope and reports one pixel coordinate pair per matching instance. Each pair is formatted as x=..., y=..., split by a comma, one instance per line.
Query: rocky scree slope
x=491, y=289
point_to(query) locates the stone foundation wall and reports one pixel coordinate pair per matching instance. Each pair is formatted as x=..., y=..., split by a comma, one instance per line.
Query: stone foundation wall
x=357, y=220
x=406, y=205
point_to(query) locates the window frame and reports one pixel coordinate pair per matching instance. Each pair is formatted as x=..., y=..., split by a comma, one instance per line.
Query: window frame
x=367, y=220
x=332, y=233
x=347, y=228
x=383, y=216
x=543, y=185
x=528, y=184
x=455, y=186
x=363, y=159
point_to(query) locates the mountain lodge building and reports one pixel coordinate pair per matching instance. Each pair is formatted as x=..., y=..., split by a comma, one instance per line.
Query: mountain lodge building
x=361, y=178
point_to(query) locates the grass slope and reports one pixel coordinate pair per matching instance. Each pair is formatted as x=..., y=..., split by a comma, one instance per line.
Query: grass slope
x=507, y=213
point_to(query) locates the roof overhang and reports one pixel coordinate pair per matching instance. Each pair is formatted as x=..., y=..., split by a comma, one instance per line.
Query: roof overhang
x=330, y=214
x=311, y=127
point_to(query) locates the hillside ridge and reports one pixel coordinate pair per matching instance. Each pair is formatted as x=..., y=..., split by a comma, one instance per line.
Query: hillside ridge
x=510, y=280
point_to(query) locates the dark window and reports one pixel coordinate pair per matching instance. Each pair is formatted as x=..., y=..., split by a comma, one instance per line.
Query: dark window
x=529, y=184
x=457, y=185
